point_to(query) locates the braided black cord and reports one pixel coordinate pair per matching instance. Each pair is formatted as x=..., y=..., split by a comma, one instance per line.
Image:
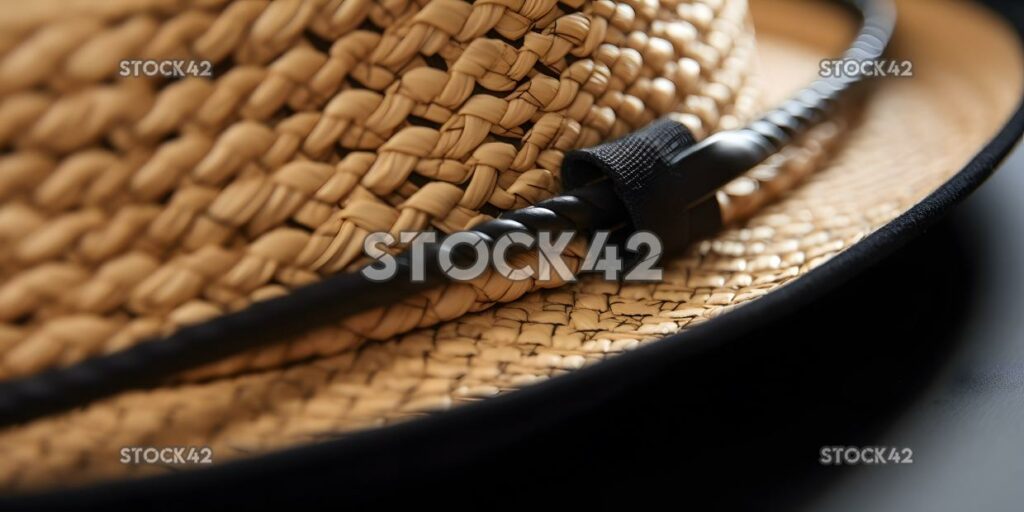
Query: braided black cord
x=692, y=174
x=724, y=156
x=328, y=301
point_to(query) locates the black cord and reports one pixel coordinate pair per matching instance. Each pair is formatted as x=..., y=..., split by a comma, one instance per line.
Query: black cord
x=670, y=193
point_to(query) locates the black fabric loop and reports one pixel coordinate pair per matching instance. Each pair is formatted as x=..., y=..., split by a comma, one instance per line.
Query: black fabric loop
x=633, y=164
x=630, y=161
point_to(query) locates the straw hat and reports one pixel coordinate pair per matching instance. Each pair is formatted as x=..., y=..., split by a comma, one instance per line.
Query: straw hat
x=135, y=205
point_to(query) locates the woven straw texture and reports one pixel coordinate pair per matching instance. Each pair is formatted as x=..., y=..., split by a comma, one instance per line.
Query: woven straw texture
x=187, y=259
x=134, y=206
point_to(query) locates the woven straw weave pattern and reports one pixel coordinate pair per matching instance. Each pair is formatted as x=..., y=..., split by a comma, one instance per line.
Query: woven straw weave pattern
x=872, y=176
x=132, y=206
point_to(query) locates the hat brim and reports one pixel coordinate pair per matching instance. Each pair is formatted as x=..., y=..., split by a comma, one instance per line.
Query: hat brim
x=911, y=156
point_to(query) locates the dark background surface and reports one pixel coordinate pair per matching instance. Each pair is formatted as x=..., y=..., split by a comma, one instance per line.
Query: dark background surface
x=966, y=423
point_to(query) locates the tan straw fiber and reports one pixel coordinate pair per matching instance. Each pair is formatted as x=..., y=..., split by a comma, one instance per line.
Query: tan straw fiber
x=134, y=206
x=201, y=195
